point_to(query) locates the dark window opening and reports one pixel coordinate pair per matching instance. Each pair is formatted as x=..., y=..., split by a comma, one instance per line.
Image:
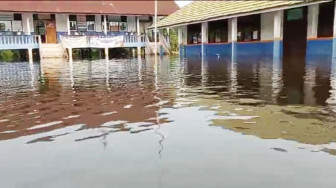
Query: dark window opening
x=123, y=18
x=249, y=28
x=218, y=31
x=72, y=18
x=326, y=19
x=90, y=18
x=194, y=34
x=17, y=17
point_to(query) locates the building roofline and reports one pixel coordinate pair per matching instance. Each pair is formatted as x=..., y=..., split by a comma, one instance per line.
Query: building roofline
x=267, y=10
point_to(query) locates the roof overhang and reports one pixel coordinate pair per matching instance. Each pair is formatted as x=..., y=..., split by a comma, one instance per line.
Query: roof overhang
x=243, y=14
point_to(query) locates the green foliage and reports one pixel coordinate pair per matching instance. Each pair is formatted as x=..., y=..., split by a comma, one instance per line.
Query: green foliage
x=173, y=40
x=6, y=56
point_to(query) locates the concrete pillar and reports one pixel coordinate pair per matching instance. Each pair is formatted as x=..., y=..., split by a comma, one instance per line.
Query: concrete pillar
x=204, y=36
x=70, y=54
x=139, y=37
x=334, y=40
x=68, y=24
x=105, y=25
x=28, y=26
x=277, y=35
x=313, y=12
x=106, y=54
x=30, y=55
x=233, y=29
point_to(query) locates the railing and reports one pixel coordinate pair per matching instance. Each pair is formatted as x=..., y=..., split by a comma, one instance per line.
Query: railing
x=104, y=41
x=19, y=42
x=134, y=38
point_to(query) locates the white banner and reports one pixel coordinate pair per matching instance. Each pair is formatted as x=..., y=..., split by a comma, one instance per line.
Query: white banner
x=103, y=42
x=74, y=41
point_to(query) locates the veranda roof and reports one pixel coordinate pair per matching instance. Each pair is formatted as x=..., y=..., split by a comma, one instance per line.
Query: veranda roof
x=199, y=11
x=120, y=7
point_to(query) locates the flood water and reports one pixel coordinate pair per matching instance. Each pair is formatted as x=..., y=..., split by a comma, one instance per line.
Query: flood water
x=179, y=123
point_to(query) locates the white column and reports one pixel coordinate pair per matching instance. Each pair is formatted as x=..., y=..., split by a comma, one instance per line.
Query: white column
x=30, y=55
x=334, y=40
x=335, y=21
x=313, y=11
x=105, y=25
x=68, y=24
x=204, y=33
x=28, y=26
x=139, y=37
x=278, y=20
x=233, y=24
x=277, y=34
x=179, y=35
x=70, y=54
x=233, y=29
x=106, y=54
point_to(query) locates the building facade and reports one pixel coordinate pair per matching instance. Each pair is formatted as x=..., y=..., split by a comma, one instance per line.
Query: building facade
x=78, y=24
x=245, y=28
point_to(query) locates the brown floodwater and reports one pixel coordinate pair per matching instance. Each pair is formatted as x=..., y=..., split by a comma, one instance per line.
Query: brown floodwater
x=211, y=122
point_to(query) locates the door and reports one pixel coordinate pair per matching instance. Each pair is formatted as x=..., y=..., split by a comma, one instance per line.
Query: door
x=51, y=32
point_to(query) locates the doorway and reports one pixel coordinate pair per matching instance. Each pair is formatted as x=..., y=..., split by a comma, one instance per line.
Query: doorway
x=295, y=32
x=50, y=31
x=45, y=26
x=294, y=54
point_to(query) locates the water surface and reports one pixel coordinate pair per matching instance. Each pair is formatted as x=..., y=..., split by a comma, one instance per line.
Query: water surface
x=214, y=122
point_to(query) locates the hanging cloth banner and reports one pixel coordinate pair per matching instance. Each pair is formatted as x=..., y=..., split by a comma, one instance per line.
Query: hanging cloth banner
x=74, y=41
x=103, y=42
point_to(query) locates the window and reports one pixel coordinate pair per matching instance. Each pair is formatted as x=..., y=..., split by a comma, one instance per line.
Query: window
x=218, y=31
x=249, y=28
x=16, y=25
x=90, y=25
x=2, y=27
x=73, y=26
x=295, y=14
x=123, y=26
x=5, y=25
x=194, y=34
x=113, y=26
x=90, y=22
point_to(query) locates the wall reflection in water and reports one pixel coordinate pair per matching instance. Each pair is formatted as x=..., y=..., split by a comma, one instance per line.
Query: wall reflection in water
x=118, y=93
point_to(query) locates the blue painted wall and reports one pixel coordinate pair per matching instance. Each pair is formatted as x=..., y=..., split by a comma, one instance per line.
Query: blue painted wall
x=218, y=49
x=321, y=47
x=243, y=49
x=193, y=50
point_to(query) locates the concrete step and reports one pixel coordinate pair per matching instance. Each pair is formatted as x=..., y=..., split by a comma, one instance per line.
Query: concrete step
x=52, y=51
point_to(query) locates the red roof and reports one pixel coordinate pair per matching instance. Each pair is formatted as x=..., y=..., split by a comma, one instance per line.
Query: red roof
x=121, y=7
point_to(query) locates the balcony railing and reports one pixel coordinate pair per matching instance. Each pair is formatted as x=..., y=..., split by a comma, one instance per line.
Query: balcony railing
x=103, y=41
x=19, y=42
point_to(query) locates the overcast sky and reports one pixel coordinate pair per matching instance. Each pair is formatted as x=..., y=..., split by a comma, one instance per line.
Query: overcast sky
x=182, y=3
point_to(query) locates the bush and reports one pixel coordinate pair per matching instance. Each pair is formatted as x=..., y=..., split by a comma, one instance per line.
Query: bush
x=6, y=56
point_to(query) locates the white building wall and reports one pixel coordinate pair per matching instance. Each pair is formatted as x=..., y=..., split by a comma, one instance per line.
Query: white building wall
x=25, y=17
x=131, y=24
x=98, y=23
x=267, y=26
x=61, y=22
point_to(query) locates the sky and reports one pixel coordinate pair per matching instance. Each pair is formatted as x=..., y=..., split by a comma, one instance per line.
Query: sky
x=182, y=3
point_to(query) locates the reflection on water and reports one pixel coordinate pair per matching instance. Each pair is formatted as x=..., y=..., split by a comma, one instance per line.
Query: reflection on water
x=130, y=122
